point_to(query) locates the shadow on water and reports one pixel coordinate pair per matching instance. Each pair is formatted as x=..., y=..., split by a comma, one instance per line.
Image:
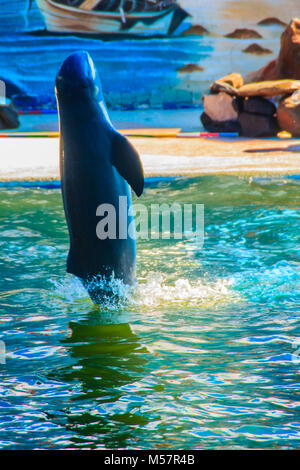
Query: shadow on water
x=107, y=360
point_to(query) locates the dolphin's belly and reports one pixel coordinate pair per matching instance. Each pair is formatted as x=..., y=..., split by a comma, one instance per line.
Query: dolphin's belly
x=86, y=187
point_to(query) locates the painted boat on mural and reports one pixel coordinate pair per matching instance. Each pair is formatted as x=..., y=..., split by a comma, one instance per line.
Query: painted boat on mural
x=137, y=17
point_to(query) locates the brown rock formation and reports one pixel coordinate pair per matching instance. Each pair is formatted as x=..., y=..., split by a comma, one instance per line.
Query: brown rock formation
x=268, y=89
x=189, y=68
x=288, y=63
x=195, y=30
x=288, y=114
x=268, y=72
x=257, y=125
x=233, y=79
x=219, y=86
x=259, y=105
x=256, y=49
x=220, y=107
x=289, y=56
x=243, y=33
x=270, y=21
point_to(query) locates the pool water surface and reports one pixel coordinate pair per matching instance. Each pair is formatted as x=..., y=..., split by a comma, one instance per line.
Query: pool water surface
x=204, y=353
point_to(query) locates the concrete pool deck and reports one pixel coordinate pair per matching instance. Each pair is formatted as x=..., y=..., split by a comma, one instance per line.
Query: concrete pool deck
x=29, y=158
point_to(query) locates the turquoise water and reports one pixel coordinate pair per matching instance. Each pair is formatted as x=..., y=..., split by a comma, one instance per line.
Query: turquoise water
x=203, y=353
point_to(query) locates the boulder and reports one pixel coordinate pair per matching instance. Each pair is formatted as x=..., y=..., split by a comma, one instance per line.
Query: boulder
x=259, y=105
x=257, y=125
x=238, y=103
x=233, y=79
x=11, y=88
x=243, y=33
x=289, y=55
x=219, y=126
x=287, y=65
x=269, y=88
x=265, y=73
x=219, y=86
x=189, y=68
x=271, y=21
x=8, y=116
x=220, y=107
x=257, y=49
x=288, y=114
x=195, y=30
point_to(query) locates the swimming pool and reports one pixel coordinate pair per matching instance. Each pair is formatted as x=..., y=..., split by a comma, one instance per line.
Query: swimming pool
x=203, y=354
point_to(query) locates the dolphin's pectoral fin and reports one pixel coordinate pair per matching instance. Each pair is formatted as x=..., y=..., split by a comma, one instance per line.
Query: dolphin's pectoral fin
x=127, y=161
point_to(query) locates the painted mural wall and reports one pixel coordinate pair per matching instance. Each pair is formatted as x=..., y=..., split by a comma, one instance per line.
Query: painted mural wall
x=148, y=72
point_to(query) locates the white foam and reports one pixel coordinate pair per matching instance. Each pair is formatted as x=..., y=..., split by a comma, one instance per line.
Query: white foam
x=152, y=291
x=155, y=290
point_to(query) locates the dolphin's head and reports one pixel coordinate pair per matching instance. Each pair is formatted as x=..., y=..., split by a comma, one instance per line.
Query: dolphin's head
x=78, y=78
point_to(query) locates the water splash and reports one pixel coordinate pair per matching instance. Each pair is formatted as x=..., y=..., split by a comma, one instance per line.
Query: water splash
x=154, y=290
x=115, y=293
x=149, y=291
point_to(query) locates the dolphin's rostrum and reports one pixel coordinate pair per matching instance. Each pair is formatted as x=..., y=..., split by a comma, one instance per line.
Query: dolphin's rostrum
x=96, y=165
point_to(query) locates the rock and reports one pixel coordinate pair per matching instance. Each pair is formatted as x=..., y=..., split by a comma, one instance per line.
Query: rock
x=284, y=135
x=238, y=103
x=243, y=34
x=189, y=68
x=219, y=126
x=257, y=125
x=228, y=84
x=289, y=55
x=220, y=107
x=288, y=114
x=219, y=86
x=195, y=30
x=287, y=65
x=259, y=105
x=11, y=88
x=233, y=79
x=256, y=49
x=266, y=73
x=271, y=21
x=269, y=88
x=8, y=116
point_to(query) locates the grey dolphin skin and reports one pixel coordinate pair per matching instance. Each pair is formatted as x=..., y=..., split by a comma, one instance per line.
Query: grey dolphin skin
x=96, y=165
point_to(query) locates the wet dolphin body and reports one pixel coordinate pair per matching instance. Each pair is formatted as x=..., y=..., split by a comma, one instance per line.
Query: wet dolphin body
x=96, y=165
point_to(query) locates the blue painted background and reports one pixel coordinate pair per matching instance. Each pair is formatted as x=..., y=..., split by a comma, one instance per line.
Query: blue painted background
x=140, y=73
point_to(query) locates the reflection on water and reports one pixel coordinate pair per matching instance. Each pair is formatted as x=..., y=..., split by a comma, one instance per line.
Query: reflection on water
x=202, y=353
x=107, y=359
x=108, y=353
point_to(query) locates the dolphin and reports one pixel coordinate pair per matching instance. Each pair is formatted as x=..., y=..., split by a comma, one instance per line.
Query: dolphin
x=97, y=165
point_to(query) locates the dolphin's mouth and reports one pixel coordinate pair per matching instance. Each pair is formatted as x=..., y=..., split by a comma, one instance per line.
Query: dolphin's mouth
x=76, y=73
x=60, y=80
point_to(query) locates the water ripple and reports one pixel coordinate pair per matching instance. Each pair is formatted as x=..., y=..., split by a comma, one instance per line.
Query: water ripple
x=203, y=352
